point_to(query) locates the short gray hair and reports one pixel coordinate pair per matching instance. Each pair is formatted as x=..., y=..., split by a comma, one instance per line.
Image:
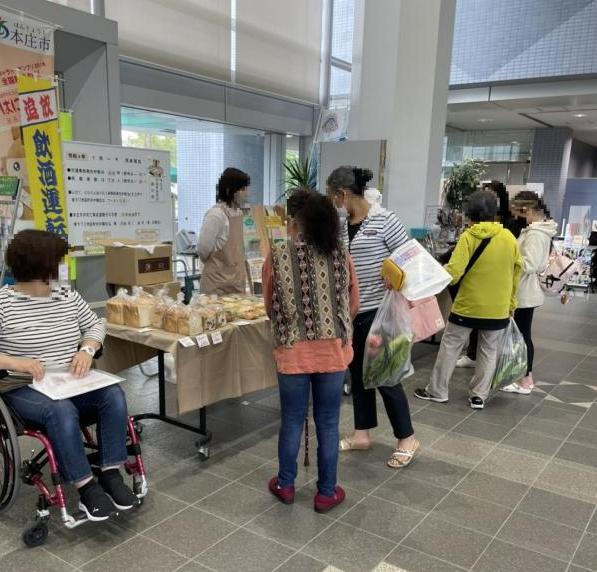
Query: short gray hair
x=481, y=206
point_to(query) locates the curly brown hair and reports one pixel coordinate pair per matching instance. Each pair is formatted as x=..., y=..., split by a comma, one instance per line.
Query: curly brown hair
x=35, y=255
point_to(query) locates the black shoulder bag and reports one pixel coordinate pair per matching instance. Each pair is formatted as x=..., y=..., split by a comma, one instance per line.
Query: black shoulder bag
x=476, y=255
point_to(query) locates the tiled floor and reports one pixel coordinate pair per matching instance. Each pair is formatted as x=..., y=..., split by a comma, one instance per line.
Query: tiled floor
x=510, y=488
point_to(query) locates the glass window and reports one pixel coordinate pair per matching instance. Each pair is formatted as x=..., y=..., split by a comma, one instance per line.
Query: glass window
x=340, y=81
x=200, y=151
x=342, y=29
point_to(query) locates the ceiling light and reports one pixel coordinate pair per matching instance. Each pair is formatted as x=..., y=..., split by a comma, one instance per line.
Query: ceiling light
x=579, y=114
x=515, y=143
x=485, y=120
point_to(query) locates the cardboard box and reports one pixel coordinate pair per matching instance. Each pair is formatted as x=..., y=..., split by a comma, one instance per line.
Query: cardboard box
x=135, y=266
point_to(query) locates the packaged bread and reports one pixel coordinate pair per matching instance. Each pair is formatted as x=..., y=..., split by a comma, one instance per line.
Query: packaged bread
x=190, y=321
x=163, y=303
x=115, y=307
x=172, y=314
x=208, y=317
x=139, y=309
x=220, y=314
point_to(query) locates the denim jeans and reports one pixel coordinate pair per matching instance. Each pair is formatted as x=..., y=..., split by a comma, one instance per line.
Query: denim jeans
x=294, y=399
x=106, y=406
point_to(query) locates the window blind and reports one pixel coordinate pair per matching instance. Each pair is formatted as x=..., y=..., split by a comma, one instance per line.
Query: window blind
x=191, y=35
x=278, y=46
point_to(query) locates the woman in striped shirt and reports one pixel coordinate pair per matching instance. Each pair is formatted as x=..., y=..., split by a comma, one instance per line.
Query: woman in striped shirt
x=371, y=233
x=41, y=326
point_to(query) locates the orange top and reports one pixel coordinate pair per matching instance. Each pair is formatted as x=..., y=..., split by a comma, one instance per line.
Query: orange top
x=318, y=356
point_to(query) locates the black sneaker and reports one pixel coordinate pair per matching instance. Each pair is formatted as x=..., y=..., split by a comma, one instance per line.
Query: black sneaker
x=423, y=394
x=121, y=495
x=95, y=503
x=476, y=402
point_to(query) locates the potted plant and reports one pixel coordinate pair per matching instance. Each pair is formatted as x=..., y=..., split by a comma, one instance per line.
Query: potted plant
x=300, y=174
x=463, y=181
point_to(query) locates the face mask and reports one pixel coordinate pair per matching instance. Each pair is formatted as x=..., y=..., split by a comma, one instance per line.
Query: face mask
x=342, y=213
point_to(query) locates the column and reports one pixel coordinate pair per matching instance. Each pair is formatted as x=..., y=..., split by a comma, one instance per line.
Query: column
x=550, y=158
x=401, y=71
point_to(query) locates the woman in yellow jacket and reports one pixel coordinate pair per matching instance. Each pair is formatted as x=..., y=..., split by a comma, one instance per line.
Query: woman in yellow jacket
x=487, y=289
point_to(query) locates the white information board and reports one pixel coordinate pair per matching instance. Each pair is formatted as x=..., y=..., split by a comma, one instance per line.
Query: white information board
x=116, y=192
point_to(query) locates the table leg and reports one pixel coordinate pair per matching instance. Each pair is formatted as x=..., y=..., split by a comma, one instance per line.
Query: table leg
x=202, y=431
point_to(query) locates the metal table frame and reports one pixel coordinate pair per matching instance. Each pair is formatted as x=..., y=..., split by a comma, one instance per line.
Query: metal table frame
x=205, y=435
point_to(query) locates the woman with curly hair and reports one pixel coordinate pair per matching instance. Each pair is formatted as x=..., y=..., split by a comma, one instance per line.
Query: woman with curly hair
x=311, y=295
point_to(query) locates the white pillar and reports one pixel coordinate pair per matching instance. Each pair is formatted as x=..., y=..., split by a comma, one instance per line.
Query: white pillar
x=401, y=71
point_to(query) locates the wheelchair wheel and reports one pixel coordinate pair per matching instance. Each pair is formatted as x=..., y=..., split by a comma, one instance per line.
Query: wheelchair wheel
x=10, y=460
x=36, y=535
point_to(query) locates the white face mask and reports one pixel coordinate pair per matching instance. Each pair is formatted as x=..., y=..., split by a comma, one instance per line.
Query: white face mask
x=342, y=213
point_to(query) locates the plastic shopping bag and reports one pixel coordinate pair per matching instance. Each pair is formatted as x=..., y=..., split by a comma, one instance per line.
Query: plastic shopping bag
x=512, y=357
x=424, y=275
x=388, y=347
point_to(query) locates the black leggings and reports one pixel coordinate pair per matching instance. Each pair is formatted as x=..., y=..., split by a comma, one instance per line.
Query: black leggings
x=363, y=400
x=524, y=320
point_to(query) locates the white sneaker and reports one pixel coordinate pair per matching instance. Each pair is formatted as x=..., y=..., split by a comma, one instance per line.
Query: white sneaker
x=515, y=388
x=466, y=361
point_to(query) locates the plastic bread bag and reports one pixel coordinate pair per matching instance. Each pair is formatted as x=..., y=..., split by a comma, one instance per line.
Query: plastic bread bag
x=162, y=304
x=189, y=321
x=512, y=357
x=423, y=275
x=139, y=309
x=172, y=314
x=115, y=307
x=387, y=359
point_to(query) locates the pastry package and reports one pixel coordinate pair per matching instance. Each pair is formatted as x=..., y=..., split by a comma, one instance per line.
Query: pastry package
x=209, y=316
x=115, y=307
x=220, y=314
x=172, y=314
x=139, y=309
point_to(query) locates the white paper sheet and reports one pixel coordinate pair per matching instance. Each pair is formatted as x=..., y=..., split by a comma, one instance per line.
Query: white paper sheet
x=62, y=385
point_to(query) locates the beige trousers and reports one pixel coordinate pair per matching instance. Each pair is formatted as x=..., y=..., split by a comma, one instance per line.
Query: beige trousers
x=453, y=342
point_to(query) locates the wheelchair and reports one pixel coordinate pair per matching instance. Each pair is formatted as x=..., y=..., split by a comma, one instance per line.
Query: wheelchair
x=14, y=472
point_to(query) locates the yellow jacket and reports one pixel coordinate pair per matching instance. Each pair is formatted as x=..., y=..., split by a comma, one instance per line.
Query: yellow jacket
x=489, y=289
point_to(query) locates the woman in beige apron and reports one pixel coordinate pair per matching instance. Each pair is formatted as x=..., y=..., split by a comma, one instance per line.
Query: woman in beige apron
x=221, y=243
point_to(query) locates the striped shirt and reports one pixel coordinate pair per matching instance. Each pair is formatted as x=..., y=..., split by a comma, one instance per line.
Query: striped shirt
x=380, y=234
x=47, y=329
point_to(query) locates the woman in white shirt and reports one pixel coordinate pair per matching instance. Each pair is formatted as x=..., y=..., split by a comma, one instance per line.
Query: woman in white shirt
x=221, y=245
x=535, y=246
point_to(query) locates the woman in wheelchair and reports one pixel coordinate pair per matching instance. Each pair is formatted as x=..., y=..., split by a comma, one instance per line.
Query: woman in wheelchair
x=42, y=324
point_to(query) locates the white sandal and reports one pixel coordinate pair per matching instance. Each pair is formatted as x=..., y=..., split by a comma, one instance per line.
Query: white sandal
x=515, y=388
x=402, y=458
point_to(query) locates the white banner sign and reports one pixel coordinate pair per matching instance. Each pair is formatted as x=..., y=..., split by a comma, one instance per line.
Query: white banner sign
x=117, y=192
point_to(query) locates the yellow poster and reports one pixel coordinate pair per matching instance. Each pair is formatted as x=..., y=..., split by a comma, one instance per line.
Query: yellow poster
x=26, y=48
x=43, y=153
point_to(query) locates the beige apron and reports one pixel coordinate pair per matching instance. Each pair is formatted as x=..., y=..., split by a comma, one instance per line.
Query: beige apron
x=224, y=272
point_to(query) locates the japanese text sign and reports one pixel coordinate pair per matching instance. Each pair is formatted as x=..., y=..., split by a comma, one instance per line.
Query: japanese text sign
x=43, y=152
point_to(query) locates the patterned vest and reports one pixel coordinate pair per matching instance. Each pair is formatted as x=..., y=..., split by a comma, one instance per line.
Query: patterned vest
x=310, y=295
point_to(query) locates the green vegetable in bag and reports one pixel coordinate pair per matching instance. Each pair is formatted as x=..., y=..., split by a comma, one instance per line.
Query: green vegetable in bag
x=387, y=357
x=512, y=359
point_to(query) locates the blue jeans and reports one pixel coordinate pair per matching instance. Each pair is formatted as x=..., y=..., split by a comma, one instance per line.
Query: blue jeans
x=294, y=399
x=106, y=406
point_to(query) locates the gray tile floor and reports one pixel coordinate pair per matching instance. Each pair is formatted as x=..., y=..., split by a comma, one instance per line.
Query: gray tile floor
x=510, y=488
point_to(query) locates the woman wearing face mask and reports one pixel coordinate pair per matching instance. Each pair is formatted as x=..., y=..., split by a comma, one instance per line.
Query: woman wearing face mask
x=371, y=233
x=221, y=245
x=535, y=246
